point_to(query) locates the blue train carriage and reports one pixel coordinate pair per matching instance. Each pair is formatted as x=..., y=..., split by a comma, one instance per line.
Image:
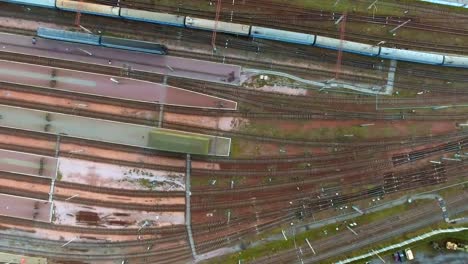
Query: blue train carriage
x=226, y=27
x=88, y=8
x=459, y=3
x=282, y=35
x=152, y=17
x=71, y=36
x=134, y=45
x=347, y=46
x=412, y=56
x=456, y=61
x=40, y=3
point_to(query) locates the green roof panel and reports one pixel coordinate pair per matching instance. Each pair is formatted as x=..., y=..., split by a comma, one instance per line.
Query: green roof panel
x=175, y=141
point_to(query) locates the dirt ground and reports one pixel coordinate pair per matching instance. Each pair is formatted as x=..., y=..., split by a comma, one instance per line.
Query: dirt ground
x=95, y=216
x=115, y=176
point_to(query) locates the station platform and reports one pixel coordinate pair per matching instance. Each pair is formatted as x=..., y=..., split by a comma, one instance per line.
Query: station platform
x=122, y=59
x=25, y=208
x=106, y=131
x=108, y=86
x=28, y=164
x=19, y=259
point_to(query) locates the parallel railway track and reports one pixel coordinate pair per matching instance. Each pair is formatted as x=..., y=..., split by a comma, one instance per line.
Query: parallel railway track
x=271, y=201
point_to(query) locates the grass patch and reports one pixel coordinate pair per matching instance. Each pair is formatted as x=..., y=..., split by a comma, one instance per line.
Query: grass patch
x=299, y=131
x=179, y=142
x=146, y=183
x=383, y=8
x=463, y=235
x=329, y=230
x=244, y=148
x=59, y=175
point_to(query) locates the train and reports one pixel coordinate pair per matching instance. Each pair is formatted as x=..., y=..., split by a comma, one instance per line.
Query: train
x=460, y=3
x=105, y=41
x=252, y=31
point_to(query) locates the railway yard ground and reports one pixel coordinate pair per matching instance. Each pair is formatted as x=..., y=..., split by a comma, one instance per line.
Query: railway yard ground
x=343, y=132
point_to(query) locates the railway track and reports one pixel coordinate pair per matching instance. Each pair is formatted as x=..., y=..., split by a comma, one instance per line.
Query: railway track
x=67, y=140
x=331, y=58
x=120, y=199
x=327, y=244
x=221, y=243
x=272, y=203
x=301, y=20
x=274, y=99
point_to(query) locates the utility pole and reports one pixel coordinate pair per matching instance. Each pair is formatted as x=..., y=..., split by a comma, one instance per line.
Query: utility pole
x=215, y=29
x=78, y=14
x=341, y=20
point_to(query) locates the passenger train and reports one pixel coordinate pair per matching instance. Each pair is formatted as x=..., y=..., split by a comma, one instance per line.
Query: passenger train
x=252, y=31
x=105, y=41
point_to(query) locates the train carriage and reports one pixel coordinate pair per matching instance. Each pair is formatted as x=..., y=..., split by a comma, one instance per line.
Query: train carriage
x=282, y=35
x=205, y=24
x=135, y=45
x=89, y=8
x=78, y=37
x=412, y=56
x=41, y=3
x=254, y=31
x=152, y=17
x=456, y=61
x=348, y=46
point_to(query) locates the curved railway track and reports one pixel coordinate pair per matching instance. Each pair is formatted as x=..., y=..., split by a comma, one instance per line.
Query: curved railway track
x=272, y=202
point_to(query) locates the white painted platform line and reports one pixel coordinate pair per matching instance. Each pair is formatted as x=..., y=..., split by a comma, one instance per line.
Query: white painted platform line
x=391, y=77
x=229, y=148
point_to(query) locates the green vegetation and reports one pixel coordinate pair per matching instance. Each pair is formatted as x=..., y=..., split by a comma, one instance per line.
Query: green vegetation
x=59, y=175
x=147, y=183
x=236, y=148
x=344, y=134
x=423, y=243
x=176, y=141
x=384, y=7
x=276, y=246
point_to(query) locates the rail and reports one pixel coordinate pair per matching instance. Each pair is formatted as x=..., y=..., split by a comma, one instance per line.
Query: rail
x=404, y=243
